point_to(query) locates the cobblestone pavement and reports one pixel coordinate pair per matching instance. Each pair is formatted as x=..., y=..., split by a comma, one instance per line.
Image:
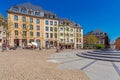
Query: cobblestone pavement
x=94, y=69
x=32, y=65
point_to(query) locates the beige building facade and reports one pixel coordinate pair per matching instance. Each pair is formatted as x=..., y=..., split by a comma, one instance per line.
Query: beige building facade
x=29, y=23
x=70, y=34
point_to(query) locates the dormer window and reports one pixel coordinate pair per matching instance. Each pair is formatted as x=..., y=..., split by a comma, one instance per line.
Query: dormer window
x=23, y=10
x=47, y=16
x=37, y=13
x=16, y=9
x=51, y=16
x=31, y=12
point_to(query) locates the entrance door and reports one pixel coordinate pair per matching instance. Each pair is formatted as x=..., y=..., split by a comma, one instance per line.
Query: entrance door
x=16, y=42
x=38, y=43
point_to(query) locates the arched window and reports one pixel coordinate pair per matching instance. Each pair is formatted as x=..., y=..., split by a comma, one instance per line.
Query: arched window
x=16, y=9
x=23, y=10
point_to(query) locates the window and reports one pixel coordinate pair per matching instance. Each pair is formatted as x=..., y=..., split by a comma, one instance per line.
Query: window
x=15, y=17
x=71, y=40
x=61, y=29
x=51, y=28
x=46, y=28
x=31, y=27
x=31, y=19
x=24, y=19
x=16, y=33
x=61, y=34
x=51, y=16
x=71, y=30
x=61, y=40
x=31, y=40
x=51, y=35
x=23, y=10
x=71, y=35
x=38, y=34
x=31, y=12
x=37, y=13
x=15, y=25
x=55, y=35
x=38, y=21
x=67, y=29
x=31, y=34
x=47, y=15
x=46, y=22
x=24, y=33
x=51, y=22
x=16, y=9
x=38, y=28
x=55, y=29
x=24, y=26
x=55, y=23
x=47, y=35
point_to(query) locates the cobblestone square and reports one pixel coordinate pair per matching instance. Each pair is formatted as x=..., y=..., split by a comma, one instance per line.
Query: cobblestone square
x=32, y=65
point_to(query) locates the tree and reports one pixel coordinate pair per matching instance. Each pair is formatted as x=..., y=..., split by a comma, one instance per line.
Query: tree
x=3, y=24
x=24, y=31
x=91, y=39
x=3, y=21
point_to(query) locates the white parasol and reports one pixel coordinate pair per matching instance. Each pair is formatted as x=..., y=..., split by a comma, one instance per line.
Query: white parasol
x=29, y=44
x=34, y=43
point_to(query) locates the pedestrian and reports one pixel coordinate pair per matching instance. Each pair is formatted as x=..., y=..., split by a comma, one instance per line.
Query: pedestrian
x=3, y=46
x=57, y=49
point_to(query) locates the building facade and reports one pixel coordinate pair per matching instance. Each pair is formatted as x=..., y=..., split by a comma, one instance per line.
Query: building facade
x=101, y=36
x=3, y=28
x=117, y=44
x=70, y=34
x=30, y=23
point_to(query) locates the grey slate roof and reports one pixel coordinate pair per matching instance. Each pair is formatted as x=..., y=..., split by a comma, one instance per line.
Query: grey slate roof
x=28, y=5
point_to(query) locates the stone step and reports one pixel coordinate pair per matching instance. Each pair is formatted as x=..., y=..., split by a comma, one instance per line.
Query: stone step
x=99, y=58
x=107, y=51
x=102, y=55
x=99, y=53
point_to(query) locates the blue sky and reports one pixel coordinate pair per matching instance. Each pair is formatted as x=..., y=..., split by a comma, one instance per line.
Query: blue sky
x=90, y=14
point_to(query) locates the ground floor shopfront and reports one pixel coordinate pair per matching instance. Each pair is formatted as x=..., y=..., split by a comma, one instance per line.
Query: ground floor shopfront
x=44, y=43
x=40, y=42
x=70, y=46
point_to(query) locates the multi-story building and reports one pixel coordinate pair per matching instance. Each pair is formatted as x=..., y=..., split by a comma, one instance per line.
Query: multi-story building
x=50, y=32
x=30, y=23
x=27, y=23
x=70, y=34
x=101, y=36
x=3, y=27
x=117, y=43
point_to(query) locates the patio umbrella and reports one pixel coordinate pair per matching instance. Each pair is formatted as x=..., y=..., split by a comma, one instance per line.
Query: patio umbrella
x=29, y=44
x=34, y=43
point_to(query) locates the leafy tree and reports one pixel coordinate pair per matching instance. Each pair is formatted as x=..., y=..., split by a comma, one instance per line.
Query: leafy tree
x=91, y=39
x=25, y=29
x=3, y=22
